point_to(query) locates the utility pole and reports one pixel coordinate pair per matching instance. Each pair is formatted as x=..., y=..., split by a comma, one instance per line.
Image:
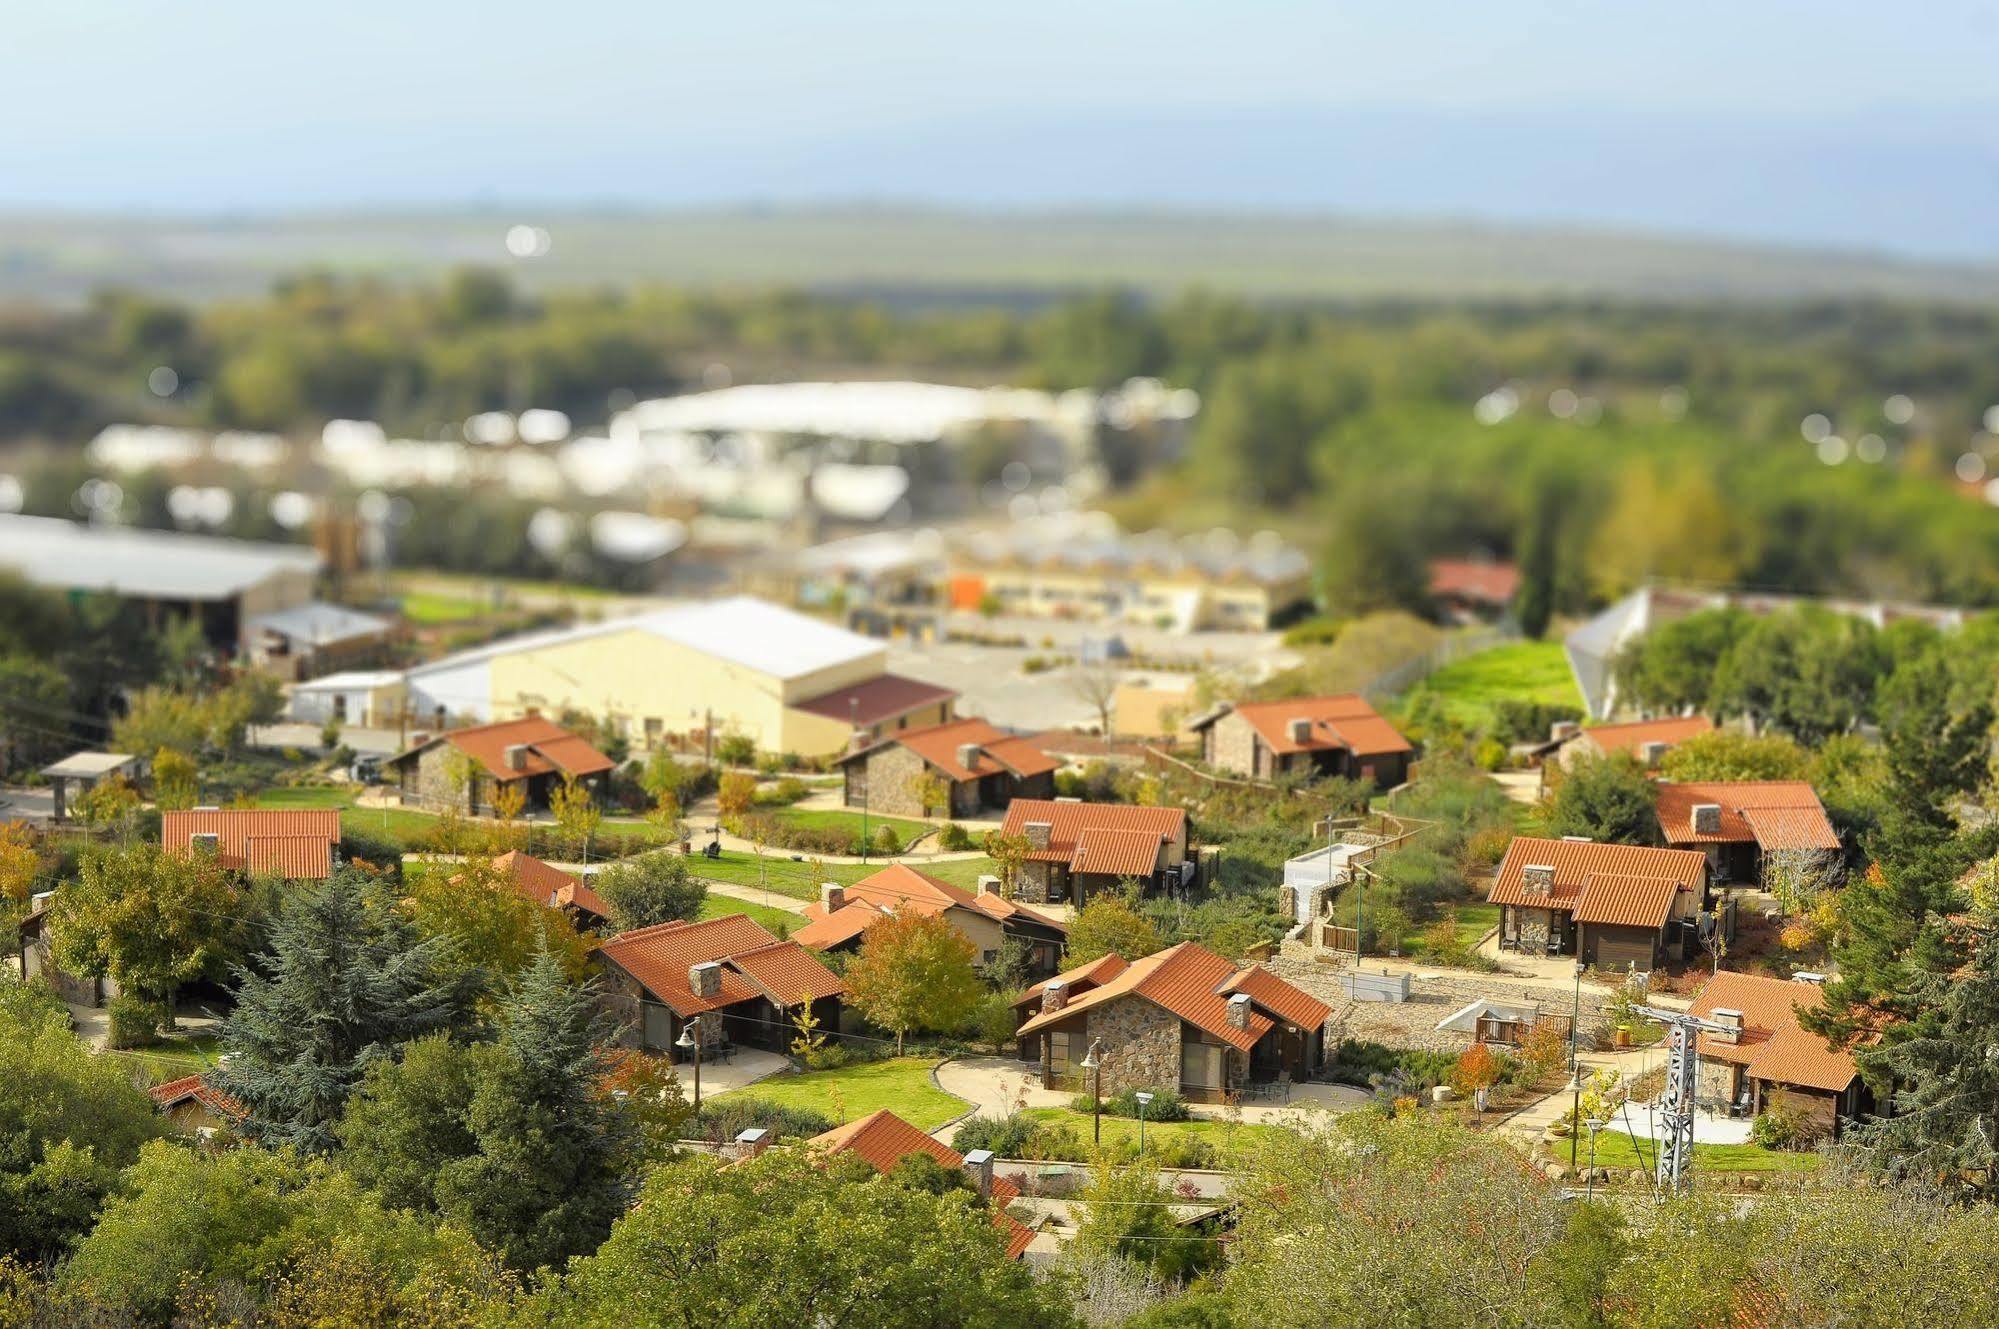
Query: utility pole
x=1676, y=1105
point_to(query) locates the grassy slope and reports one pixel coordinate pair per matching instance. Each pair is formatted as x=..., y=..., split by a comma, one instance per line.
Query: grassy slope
x=1527, y=670
x=800, y=878
x=780, y=922
x=900, y=1084
x=1118, y=1129
x=1615, y=1149
x=839, y=819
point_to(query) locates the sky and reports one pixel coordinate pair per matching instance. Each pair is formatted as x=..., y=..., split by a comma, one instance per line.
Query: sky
x=1834, y=123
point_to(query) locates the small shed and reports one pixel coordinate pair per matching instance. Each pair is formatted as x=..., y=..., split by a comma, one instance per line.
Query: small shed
x=79, y=772
x=367, y=698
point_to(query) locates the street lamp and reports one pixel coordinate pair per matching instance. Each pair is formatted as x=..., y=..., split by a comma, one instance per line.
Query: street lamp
x=690, y=1041
x=1589, y=1186
x=1144, y=1101
x=1094, y=1064
x=1575, y=1111
x=1576, y=1017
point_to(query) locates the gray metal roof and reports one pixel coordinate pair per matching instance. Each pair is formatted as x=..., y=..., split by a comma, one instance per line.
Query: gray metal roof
x=317, y=623
x=159, y=565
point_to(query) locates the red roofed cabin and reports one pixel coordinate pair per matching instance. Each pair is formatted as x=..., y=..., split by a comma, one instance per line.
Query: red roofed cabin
x=1469, y=590
x=988, y=919
x=1308, y=736
x=742, y=984
x=981, y=767
x=1772, y=1053
x=1739, y=824
x=1183, y=1019
x=1076, y=849
x=1615, y=906
x=293, y=844
x=463, y=768
x=552, y=888
x=881, y=1139
x=1647, y=740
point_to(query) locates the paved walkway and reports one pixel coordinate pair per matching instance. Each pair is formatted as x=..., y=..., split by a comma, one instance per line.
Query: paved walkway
x=997, y=1086
x=745, y=1068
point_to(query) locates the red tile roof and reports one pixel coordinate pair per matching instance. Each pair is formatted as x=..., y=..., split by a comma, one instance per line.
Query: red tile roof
x=1576, y=861
x=1344, y=722
x=550, y=886
x=1471, y=579
x=295, y=843
x=1772, y=814
x=883, y=1140
x=196, y=1087
x=1614, y=899
x=938, y=745
x=550, y=749
x=901, y=887
x=1281, y=999
x=659, y=958
x=1634, y=736
x=1080, y=979
x=1187, y=980
x=1105, y=824
x=1116, y=853
x=878, y=699
x=1773, y=1046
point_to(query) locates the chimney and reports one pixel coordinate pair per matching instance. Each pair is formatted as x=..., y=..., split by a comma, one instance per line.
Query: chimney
x=1537, y=878
x=1038, y=833
x=980, y=1164
x=205, y=842
x=1732, y=1018
x=989, y=885
x=1054, y=995
x=517, y=756
x=1301, y=731
x=968, y=756
x=1563, y=730
x=705, y=979
x=1707, y=819
x=832, y=896
x=1652, y=753
x=1238, y=1014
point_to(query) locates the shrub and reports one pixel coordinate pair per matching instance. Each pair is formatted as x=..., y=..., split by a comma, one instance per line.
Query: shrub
x=887, y=841
x=736, y=750
x=1166, y=1105
x=1785, y=1124
x=1361, y=1063
x=829, y=1057
x=1006, y=1136
x=952, y=836
x=723, y=1119
x=135, y=1020
x=993, y=1024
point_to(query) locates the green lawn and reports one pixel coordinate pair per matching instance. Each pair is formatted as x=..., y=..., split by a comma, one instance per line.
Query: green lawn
x=900, y=1084
x=429, y=609
x=1527, y=670
x=800, y=878
x=1615, y=1149
x=307, y=796
x=171, y=1058
x=782, y=922
x=1119, y=1129
x=1475, y=919
x=838, y=819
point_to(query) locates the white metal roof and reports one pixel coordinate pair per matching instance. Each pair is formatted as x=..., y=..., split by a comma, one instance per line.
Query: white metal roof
x=750, y=632
x=161, y=565
x=898, y=412
x=88, y=765
x=317, y=623
x=353, y=680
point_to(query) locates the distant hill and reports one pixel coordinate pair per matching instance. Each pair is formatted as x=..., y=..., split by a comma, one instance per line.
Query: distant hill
x=915, y=256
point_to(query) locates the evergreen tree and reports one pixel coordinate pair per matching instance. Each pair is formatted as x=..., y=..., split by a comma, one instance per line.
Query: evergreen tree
x=345, y=979
x=1945, y=1120
x=1534, y=604
x=546, y=1179
x=1607, y=798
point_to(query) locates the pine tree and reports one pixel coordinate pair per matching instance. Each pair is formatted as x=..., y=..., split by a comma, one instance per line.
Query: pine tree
x=344, y=980
x=1945, y=1124
x=547, y=1178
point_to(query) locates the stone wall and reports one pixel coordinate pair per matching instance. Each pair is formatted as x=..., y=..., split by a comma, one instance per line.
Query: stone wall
x=1230, y=745
x=1036, y=882
x=1536, y=926
x=894, y=774
x=1141, y=1045
x=1717, y=1081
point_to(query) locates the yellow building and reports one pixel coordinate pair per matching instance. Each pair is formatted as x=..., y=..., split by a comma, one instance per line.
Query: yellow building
x=680, y=677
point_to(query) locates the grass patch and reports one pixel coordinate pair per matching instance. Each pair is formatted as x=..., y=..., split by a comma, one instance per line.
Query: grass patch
x=848, y=823
x=1526, y=670
x=306, y=796
x=1475, y=919
x=800, y=878
x=1615, y=1149
x=900, y=1084
x=171, y=1058
x=781, y=922
x=430, y=609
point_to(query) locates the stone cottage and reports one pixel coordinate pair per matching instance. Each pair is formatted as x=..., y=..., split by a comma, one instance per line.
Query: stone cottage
x=1614, y=906
x=949, y=770
x=462, y=769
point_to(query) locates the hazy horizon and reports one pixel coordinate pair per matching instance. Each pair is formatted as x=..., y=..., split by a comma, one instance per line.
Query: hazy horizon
x=1820, y=126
